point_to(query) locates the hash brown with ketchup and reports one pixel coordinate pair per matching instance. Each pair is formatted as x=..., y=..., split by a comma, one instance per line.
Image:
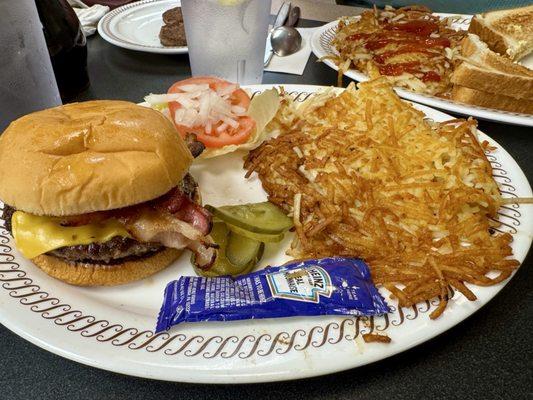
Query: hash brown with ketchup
x=414, y=48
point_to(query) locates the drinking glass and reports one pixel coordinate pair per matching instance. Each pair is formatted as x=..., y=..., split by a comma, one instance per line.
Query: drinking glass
x=27, y=82
x=227, y=38
x=67, y=46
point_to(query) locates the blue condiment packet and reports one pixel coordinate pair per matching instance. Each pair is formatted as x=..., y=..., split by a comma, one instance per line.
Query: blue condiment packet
x=327, y=286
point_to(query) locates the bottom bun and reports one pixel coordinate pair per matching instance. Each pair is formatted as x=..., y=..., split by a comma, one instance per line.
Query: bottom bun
x=86, y=274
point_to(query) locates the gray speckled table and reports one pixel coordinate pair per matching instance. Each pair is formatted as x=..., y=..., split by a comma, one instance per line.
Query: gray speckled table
x=488, y=356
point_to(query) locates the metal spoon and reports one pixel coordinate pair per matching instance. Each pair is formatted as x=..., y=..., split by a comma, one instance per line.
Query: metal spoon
x=285, y=41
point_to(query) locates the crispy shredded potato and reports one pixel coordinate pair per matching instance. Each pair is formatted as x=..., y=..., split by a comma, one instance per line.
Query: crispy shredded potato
x=374, y=338
x=412, y=47
x=364, y=174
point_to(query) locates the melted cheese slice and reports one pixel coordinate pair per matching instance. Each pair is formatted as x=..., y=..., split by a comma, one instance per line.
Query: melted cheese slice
x=35, y=235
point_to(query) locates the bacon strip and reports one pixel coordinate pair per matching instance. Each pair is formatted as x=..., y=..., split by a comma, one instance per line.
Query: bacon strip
x=205, y=253
x=149, y=225
x=178, y=204
x=174, y=220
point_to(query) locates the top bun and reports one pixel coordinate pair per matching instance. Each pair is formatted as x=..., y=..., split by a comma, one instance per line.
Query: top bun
x=90, y=156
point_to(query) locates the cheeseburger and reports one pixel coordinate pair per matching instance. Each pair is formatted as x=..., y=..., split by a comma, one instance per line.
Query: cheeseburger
x=98, y=193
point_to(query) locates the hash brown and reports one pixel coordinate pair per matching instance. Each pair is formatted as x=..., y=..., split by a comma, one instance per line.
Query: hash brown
x=365, y=174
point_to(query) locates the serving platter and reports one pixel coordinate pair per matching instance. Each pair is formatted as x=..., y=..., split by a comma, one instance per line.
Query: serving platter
x=136, y=26
x=112, y=328
x=321, y=47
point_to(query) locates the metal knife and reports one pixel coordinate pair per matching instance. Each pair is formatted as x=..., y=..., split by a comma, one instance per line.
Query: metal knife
x=280, y=20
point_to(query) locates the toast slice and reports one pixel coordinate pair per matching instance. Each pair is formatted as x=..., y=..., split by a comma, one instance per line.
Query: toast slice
x=489, y=100
x=487, y=71
x=507, y=32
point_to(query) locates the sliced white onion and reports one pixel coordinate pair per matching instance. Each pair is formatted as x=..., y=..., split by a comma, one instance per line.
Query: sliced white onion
x=178, y=115
x=222, y=127
x=231, y=122
x=187, y=102
x=155, y=99
x=203, y=106
x=194, y=87
x=228, y=90
x=238, y=109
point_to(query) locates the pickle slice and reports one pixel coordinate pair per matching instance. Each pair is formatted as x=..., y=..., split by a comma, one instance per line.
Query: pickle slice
x=260, y=237
x=252, y=264
x=219, y=234
x=240, y=250
x=257, y=217
x=221, y=267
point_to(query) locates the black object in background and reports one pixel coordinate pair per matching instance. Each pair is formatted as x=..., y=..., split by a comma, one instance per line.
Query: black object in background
x=67, y=46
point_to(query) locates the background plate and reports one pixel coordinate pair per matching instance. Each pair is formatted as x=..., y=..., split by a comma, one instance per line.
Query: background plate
x=321, y=46
x=136, y=26
x=111, y=328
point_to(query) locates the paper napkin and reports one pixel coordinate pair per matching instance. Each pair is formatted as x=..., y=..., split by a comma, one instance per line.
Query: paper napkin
x=295, y=63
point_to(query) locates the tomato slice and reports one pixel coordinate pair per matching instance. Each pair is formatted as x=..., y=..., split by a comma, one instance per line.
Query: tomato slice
x=216, y=139
x=234, y=136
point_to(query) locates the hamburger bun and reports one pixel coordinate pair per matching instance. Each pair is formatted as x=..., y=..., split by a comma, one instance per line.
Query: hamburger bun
x=86, y=274
x=90, y=156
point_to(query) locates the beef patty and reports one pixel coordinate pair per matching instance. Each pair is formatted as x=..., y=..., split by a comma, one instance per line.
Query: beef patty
x=117, y=250
x=173, y=35
x=114, y=251
x=173, y=16
x=173, y=31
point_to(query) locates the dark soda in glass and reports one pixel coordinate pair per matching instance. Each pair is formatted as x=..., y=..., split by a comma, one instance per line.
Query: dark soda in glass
x=67, y=46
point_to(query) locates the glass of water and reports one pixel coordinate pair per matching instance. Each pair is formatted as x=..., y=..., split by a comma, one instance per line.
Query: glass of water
x=227, y=38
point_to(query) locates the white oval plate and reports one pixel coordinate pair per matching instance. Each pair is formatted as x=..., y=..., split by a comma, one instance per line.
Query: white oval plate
x=111, y=328
x=321, y=46
x=136, y=26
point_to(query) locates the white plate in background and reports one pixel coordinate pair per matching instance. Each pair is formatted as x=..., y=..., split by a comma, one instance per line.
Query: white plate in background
x=136, y=26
